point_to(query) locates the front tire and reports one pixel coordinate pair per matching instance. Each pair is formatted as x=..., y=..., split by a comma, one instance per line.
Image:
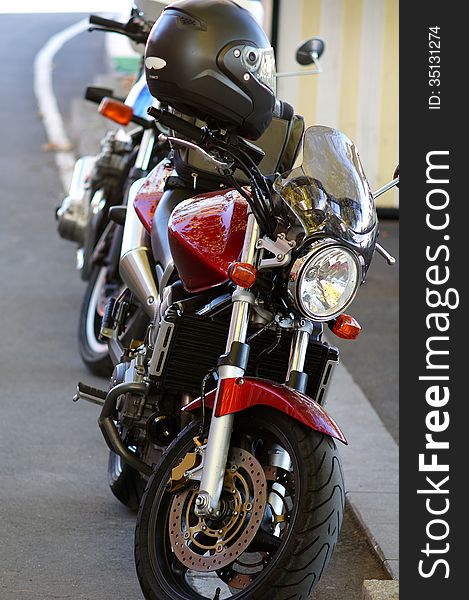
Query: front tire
x=126, y=483
x=293, y=549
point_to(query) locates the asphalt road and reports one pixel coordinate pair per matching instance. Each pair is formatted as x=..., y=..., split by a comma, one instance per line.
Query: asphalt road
x=62, y=535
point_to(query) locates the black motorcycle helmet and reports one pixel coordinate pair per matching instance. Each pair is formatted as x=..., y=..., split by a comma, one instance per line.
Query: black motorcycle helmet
x=210, y=59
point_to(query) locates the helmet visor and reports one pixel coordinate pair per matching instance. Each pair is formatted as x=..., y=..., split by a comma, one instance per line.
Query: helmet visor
x=260, y=63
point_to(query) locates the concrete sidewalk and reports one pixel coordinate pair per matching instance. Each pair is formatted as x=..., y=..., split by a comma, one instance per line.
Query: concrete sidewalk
x=371, y=467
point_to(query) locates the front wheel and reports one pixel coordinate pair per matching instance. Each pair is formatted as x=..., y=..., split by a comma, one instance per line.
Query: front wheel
x=280, y=515
x=93, y=351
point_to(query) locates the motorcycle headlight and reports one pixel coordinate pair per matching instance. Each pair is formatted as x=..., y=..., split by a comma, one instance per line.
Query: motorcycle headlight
x=324, y=281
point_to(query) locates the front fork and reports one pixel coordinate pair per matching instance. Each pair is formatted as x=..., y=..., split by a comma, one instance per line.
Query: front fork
x=219, y=436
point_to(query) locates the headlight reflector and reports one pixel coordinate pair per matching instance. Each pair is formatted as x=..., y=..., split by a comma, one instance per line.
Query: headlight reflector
x=324, y=281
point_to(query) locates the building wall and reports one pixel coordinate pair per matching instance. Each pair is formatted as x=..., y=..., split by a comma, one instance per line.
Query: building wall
x=358, y=90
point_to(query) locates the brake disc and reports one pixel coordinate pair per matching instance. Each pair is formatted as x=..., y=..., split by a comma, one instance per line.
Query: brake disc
x=206, y=544
x=239, y=574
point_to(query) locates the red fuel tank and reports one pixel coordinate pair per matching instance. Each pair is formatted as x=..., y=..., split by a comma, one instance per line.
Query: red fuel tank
x=150, y=193
x=206, y=234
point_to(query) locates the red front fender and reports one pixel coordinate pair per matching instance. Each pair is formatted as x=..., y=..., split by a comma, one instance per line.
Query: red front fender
x=242, y=393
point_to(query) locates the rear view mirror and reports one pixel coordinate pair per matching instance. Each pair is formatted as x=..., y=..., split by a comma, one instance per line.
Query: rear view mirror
x=309, y=51
x=307, y=54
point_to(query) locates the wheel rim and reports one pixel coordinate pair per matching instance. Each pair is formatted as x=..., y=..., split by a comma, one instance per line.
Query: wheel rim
x=117, y=465
x=93, y=318
x=197, y=540
x=251, y=567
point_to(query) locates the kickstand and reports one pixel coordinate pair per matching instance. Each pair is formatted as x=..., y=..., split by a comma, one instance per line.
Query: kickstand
x=217, y=594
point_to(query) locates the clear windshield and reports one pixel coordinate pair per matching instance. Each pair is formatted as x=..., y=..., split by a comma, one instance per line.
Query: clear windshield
x=329, y=186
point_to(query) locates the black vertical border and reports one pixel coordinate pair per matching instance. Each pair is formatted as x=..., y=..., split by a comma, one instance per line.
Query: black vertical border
x=421, y=131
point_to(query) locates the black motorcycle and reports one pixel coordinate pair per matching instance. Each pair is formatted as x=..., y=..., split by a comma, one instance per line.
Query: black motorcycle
x=101, y=183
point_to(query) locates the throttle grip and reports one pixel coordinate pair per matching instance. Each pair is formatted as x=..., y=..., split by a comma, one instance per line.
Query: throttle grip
x=103, y=22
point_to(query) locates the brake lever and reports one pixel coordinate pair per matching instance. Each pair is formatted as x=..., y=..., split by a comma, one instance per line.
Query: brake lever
x=106, y=30
x=139, y=38
x=92, y=28
x=223, y=166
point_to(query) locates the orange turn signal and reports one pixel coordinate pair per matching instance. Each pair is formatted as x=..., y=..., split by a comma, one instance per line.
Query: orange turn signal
x=116, y=111
x=243, y=274
x=346, y=327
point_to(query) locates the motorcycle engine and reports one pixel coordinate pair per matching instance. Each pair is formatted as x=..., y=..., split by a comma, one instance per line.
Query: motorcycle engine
x=91, y=173
x=72, y=215
x=140, y=417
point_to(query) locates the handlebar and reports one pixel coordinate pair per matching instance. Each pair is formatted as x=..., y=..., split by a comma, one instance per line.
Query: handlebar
x=196, y=134
x=135, y=29
x=283, y=110
x=259, y=199
x=109, y=23
x=95, y=94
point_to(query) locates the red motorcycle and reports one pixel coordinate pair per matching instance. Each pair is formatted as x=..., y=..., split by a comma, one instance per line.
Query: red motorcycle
x=222, y=405
x=249, y=495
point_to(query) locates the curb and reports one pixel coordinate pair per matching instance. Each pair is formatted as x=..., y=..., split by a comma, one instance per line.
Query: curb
x=371, y=468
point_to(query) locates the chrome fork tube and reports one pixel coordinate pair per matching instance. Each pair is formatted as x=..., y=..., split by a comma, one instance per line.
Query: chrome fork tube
x=298, y=351
x=219, y=437
x=296, y=376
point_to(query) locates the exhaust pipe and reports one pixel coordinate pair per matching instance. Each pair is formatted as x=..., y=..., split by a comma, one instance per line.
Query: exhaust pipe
x=135, y=266
x=109, y=429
